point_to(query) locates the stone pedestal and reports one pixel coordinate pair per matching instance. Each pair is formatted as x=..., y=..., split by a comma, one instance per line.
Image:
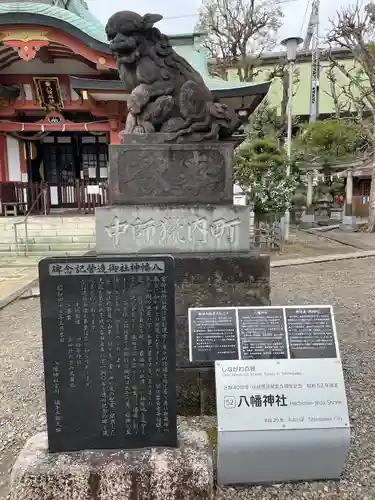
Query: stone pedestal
x=210, y=280
x=307, y=221
x=146, y=170
x=177, y=199
x=160, y=474
x=349, y=223
x=171, y=228
x=336, y=215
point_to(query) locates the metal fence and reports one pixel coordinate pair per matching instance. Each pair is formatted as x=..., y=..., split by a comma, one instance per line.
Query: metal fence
x=267, y=234
x=80, y=194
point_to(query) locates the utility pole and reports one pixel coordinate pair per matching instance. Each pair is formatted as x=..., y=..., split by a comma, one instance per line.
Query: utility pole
x=291, y=45
x=312, y=41
x=312, y=38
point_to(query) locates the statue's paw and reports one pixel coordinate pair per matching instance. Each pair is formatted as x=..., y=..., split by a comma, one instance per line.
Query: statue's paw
x=138, y=130
x=138, y=99
x=131, y=122
x=173, y=125
x=146, y=126
x=159, y=112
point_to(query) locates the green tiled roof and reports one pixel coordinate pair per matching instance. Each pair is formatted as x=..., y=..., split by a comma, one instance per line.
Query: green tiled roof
x=87, y=24
x=197, y=57
x=187, y=45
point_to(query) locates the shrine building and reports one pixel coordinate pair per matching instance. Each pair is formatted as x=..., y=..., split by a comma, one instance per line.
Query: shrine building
x=62, y=103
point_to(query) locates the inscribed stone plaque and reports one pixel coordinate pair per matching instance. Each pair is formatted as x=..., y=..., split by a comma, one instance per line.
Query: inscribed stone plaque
x=262, y=333
x=213, y=334
x=145, y=172
x=147, y=229
x=109, y=352
x=311, y=332
x=255, y=395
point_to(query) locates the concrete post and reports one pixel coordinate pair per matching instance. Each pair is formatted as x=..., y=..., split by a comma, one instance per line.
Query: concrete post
x=308, y=217
x=310, y=191
x=349, y=193
x=349, y=220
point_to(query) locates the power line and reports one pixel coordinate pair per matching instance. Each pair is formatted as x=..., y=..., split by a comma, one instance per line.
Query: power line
x=183, y=16
x=304, y=17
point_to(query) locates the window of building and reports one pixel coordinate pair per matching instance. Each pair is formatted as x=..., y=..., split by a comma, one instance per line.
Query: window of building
x=365, y=187
x=94, y=157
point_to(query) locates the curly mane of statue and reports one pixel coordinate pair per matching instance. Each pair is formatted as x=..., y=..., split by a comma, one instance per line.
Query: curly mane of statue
x=167, y=94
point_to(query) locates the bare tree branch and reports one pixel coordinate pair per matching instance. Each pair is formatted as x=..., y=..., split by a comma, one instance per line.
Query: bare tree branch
x=239, y=32
x=354, y=30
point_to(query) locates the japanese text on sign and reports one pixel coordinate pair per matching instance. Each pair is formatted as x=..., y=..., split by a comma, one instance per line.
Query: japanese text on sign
x=115, y=358
x=280, y=394
x=87, y=268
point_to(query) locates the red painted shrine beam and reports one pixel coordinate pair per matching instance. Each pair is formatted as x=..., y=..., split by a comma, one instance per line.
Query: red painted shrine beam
x=66, y=127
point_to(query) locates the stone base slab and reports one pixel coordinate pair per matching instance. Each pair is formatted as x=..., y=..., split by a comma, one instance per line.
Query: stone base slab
x=336, y=214
x=307, y=221
x=172, y=229
x=157, y=473
x=349, y=222
x=145, y=169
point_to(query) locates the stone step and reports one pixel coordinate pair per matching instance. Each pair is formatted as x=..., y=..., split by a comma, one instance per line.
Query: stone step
x=48, y=235
x=7, y=223
x=49, y=232
x=42, y=247
x=40, y=228
x=56, y=240
x=40, y=254
x=49, y=238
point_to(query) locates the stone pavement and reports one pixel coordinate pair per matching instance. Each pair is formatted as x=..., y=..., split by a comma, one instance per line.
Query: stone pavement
x=307, y=244
x=17, y=276
x=361, y=240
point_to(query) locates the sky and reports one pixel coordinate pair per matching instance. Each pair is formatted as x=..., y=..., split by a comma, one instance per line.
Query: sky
x=295, y=20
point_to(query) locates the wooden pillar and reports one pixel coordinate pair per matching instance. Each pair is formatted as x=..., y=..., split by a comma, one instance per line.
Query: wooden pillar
x=115, y=125
x=3, y=159
x=23, y=160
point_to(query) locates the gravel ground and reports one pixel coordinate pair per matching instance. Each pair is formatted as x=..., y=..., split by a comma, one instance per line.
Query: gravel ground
x=348, y=285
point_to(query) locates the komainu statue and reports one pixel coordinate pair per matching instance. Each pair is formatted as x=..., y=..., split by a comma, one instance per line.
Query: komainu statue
x=167, y=94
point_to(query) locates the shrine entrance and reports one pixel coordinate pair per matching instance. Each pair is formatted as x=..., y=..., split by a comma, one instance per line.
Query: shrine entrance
x=72, y=165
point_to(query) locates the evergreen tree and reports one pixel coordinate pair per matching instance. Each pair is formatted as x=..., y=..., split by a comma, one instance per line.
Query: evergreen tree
x=260, y=169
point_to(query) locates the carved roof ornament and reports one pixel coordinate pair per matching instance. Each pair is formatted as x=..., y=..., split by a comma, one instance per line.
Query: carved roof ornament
x=167, y=94
x=24, y=35
x=25, y=42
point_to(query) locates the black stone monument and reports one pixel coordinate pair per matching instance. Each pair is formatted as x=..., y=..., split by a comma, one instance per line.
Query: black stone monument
x=311, y=332
x=262, y=333
x=108, y=326
x=213, y=334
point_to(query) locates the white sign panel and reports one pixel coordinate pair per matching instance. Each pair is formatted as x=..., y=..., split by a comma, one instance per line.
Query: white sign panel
x=239, y=199
x=255, y=395
x=92, y=189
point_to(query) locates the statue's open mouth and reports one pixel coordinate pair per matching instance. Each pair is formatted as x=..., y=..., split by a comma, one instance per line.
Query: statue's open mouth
x=125, y=50
x=128, y=58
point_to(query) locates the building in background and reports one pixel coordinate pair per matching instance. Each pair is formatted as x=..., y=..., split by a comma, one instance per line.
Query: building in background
x=62, y=104
x=301, y=98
